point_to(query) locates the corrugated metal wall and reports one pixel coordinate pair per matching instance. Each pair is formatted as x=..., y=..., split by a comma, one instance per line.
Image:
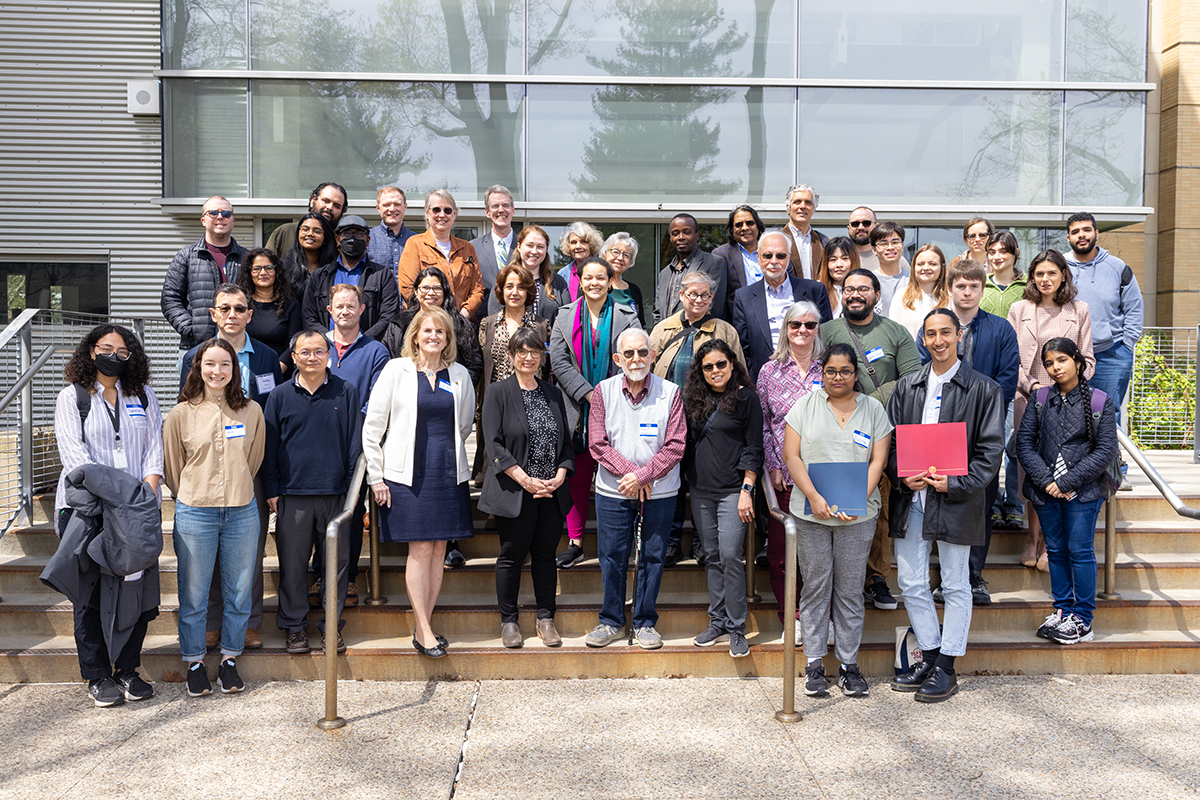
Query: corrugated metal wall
x=77, y=171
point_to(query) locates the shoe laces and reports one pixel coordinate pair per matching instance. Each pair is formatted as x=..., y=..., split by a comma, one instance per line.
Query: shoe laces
x=1054, y=619
x=977, y=582
x=1070, y=625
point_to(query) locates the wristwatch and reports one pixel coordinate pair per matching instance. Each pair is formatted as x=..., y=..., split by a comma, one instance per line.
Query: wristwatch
x=748, y=487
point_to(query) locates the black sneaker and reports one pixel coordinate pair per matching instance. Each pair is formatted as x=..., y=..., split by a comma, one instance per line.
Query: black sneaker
x=852, y=683
x=133, y=686
x=939, y=597
x=673, y=555
x=738, y=646
x=815, y=684
x=1051, y=625
x=197, y=680
x=979, y=593
x=106, y=692
x=761, y=561
x=877, y=592
x=1072, y=630
x=699, y=554
x=710, y=635
x=228, y=678
x=454, y=559
x=569, y=557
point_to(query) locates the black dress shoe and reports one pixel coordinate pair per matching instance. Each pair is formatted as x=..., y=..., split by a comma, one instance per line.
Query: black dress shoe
x=673, y=555
x=912, y=680
x=940, y=685
x=430, y=652
x=442, y=641
x=454, y=558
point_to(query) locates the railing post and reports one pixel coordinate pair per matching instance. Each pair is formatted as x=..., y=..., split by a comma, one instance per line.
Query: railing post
x=139, y=330
x=788, y=712
x=374, y=598
x=331, y=720
x=1110, y=550
x=1196, y=406
x=748, y=551
x=25, y=444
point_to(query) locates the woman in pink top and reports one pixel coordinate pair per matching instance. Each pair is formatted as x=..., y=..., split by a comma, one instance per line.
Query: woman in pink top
x=1047, y=310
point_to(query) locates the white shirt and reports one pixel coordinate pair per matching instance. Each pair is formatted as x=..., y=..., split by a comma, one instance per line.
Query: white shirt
x=778, y=302
x=804, y=247
x=933, y=403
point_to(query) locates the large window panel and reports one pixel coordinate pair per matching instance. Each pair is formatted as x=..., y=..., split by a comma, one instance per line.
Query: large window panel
x=640, y=144
x=1106, y=40
x=931, y=39
x=1104, y=150
x=428, y=36
x=421, y=136
x=204, y=35
x=204, y=141
x=670, y=38
x=931, y=146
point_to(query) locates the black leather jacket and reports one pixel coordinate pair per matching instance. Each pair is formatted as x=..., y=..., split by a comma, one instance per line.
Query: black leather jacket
x=956, y=516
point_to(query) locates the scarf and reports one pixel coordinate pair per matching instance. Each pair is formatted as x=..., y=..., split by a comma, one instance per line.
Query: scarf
x=593, y=348
x=573, y=282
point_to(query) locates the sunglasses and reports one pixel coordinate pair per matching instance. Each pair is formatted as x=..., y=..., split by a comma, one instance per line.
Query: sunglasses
x=772, y=256
x=861, y=223
x=749, y=223
x=717, y=365
x=808, y=325
x=446, y=210
x=222, y=214
x=227, y=310
x=641, y=352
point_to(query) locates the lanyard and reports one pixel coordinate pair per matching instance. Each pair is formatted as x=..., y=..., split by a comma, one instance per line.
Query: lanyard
x=114, y=417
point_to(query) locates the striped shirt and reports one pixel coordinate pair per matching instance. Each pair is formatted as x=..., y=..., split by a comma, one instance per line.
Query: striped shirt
x=781, y=384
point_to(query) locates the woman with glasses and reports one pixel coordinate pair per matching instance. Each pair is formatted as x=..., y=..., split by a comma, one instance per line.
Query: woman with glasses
x=214, y=441
x=620, y=251
x=437, y=247
x=432, y=290
x=579, y=242
x=835, y=425
x=276, y=317
x=722, y=461
x=840, y=259
x=793, y=371
x=975, y=236
x=108, y=415
x=582, y=341
x=532, y=251
x=926, y=289
x=314, y=248
x=530, y=457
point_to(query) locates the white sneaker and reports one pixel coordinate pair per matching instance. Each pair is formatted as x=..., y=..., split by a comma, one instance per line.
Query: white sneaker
x=799, y=635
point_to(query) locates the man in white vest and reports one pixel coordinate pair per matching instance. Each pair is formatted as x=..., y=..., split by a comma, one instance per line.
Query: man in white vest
x=636, y=433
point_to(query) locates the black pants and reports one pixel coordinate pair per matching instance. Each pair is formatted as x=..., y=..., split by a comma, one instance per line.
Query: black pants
x=300, y=526
x=979, y=552
x=355, y=530
x=216, y=609
x=94, y=659
x=535, y=532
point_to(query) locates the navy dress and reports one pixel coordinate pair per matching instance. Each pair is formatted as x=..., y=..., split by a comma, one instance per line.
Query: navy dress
x=436, y=507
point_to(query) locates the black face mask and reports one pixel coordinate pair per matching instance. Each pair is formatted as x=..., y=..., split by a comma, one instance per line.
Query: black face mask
x=352, y=247
x=108, y=364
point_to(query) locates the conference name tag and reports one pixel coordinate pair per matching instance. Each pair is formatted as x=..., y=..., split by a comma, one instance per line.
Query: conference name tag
x=862, y=439
x=135, y=410
x=265, y=383
x=874, y=354
x=237, y=431
x=649, y=430
x=445, y=386
x=119, y=459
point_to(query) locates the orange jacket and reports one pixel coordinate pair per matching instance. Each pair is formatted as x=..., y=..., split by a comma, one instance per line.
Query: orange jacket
x=462, y=270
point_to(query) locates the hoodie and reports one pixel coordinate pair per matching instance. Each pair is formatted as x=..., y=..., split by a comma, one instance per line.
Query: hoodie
x=1111, y=292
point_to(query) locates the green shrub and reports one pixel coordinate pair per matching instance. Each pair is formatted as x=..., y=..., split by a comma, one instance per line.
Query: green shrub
x=1162, y=399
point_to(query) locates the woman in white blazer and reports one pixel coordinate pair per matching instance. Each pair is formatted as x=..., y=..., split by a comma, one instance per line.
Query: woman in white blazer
x=414, y=437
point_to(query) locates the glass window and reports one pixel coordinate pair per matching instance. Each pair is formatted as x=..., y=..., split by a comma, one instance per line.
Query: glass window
x=931, y=146
x=59, y=286
x=658, y=143
x=931, y=39
x=674, y=38
x=204, y=35
x=204, y=142
x=1106, y=40
x=434, y=36
x=463, y=137
x=1105, y=133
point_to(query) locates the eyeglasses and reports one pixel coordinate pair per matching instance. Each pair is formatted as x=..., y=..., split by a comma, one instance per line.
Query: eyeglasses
x=212, y=212
x=838, y=373
x=641, y=352
x=227, y=310
x=122, y=355
x=263, y=268
x=306, y=354
x=808, y=325
x=772, y=256
x=889, y=243
x=746, y=223
x=696, y=298
x=352, y=232
x=717, y=365
x=861, y=223
x=429, y=290
x=527, y=354
x=853, y=290
x=977, y=235
x=624, y=255
x=446, y=210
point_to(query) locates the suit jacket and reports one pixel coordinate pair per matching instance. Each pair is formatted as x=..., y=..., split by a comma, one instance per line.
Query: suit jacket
x=506, y=434
x=753, y=326
x=731, y=257
x=819, y=240
x=485, y=252
x=667, y=302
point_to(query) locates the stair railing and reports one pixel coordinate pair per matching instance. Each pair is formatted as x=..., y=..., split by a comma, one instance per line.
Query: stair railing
x=788, y=713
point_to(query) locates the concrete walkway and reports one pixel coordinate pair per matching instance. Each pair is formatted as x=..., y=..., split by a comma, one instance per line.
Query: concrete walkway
x=1001, y=737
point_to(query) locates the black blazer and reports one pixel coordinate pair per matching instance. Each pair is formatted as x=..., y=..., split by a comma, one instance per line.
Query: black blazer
x=753, y=326
x=505, y=429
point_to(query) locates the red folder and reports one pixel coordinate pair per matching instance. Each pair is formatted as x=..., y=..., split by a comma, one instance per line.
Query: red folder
x=941, y=445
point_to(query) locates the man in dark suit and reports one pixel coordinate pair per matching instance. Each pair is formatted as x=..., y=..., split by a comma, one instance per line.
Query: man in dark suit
x=807, y=245
x=758, y=309
x=742, y=231
x=494, y=248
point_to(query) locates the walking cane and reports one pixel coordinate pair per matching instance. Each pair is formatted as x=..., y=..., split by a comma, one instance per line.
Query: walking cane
x=637, y=553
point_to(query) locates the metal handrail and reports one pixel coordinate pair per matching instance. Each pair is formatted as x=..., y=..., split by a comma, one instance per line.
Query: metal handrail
x=331, y=719
x=788, y=713
x=16, y=325
x=28, y=374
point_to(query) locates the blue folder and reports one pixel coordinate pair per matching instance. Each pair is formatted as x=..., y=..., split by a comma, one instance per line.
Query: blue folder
x=842, y=484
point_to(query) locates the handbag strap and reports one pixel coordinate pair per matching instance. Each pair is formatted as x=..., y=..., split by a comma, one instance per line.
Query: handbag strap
x=858, y=345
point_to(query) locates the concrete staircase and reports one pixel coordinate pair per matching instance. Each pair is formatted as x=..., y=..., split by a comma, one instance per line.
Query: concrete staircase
x=1149, y=629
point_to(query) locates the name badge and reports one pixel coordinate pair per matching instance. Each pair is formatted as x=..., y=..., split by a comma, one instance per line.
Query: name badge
x=817, y=383
x=445, y=386
x=135, y=410
x=874, y=354
x=119, y=459
x=649, y=430
x=137, y=576
x=862, y=439
x=237, y=431
x=265, y=383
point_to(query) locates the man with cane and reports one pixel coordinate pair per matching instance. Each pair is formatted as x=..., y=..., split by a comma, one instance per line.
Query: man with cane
x=636, y=433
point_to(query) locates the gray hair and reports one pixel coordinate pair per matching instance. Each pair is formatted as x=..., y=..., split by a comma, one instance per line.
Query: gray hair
x=496, y=188
x=802, y=187
x=442, y=193
x=775, y=232
x=583, y=231
x=694, y=276
x=620, y=237
x=638, y=331
x=800, y=308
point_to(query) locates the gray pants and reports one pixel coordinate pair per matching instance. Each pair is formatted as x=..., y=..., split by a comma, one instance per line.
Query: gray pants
x=215, y=606
x=723, y=535
x=299, y=527
x=833, y=562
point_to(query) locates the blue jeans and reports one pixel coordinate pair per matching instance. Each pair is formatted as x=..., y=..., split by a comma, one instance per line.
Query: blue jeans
x=912, y=573
x=1114, y=368
x=1069, y=528
x=200, y=533
x=614, y=537
x=1008, y=501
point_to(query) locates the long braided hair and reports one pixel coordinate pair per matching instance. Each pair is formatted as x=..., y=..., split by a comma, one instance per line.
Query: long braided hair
x=1067, y=347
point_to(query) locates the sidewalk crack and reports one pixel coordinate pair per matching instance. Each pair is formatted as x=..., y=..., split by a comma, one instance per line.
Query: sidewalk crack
x=462, y=750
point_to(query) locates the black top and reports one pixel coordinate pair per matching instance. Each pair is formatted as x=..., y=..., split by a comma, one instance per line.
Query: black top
x=276, y=331
x=313, y=440
x=543, y=435
x=1061, y=428
x=732, y=445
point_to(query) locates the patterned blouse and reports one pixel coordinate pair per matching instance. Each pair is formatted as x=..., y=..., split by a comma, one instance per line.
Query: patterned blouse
x=780, y=385
x=543, y=435
x=502, y=366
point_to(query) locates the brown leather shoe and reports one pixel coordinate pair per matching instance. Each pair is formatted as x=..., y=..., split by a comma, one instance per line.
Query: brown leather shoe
x=548, y=633
x=253, y=640
x=212, y=640
x=510, y=635
x=351, y=594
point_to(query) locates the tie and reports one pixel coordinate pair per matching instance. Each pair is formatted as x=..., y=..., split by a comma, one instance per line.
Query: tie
x=502, y=249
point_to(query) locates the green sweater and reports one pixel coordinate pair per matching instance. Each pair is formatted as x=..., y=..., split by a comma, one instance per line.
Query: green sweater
x=900, y=354
x=997, y=300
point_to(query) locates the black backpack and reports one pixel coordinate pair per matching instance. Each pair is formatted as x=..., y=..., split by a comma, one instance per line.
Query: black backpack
x=83, y=401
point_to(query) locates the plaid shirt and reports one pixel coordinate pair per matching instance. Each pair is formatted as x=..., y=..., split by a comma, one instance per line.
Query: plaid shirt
x=780, y=385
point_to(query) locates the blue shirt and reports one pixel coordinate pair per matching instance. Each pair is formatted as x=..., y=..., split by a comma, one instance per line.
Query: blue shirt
x=385, y=247
x=244, y=362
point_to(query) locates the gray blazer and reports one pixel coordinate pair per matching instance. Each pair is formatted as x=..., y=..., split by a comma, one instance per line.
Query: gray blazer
x=565, y=362
x=485, y=251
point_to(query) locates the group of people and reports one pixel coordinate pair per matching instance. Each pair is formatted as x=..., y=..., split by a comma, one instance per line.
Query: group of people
x=779, y=350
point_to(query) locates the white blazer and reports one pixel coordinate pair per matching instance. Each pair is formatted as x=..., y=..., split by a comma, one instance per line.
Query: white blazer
x=392, y=412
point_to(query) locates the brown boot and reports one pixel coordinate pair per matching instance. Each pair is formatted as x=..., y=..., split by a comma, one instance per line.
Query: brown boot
x=212, y=640
x=510, y=635
x=253, y=640
x=548, y=633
